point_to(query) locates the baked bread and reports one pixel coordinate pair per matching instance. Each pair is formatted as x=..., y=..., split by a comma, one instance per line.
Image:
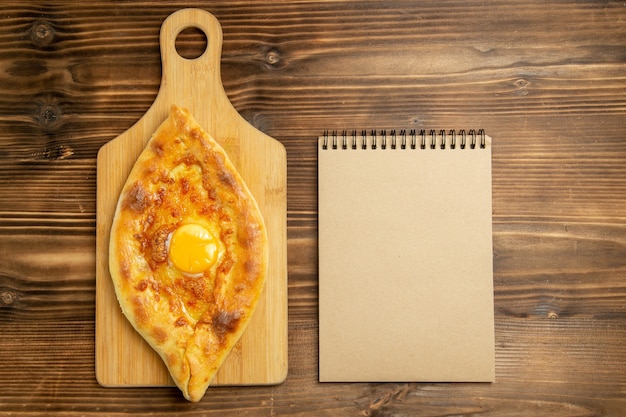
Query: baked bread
x=188, y=251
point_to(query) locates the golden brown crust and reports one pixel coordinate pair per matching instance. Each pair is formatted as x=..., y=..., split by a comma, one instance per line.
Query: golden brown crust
x=183, y=176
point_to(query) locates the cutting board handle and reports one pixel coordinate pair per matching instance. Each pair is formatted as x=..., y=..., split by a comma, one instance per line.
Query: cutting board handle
x=183, y=19
x=185, y=77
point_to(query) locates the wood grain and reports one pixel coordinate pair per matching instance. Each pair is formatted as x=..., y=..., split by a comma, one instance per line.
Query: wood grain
x=545, y=79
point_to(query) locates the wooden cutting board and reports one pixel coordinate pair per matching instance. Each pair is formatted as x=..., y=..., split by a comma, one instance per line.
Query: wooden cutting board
x=260, y=357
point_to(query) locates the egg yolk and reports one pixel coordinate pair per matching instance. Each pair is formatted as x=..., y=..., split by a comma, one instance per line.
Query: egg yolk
x=193, y=249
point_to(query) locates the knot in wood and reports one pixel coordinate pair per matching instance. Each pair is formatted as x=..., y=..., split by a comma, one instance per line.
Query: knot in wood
x=8, y=297
x=272, y=57
x=521, y=87
x=42, y=33
x=48, y=114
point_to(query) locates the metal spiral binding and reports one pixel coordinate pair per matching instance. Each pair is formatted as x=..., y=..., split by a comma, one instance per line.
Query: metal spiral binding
x=407, y=140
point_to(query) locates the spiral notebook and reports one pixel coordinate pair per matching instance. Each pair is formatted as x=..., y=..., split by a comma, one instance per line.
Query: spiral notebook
x=405, y=257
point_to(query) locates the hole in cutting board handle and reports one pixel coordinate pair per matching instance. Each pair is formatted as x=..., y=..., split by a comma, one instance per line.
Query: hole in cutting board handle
x=191, y=43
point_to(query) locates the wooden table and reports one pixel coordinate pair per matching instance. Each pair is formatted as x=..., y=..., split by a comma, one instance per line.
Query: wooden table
x=547, y=80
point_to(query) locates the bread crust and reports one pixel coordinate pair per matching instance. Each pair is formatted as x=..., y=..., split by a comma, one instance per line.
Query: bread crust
x=193, y=321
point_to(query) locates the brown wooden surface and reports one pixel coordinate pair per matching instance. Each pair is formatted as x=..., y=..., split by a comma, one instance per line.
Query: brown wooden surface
x=547, y=80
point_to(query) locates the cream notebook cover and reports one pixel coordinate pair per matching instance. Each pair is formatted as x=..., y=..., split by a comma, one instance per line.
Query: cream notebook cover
x=405, y=257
